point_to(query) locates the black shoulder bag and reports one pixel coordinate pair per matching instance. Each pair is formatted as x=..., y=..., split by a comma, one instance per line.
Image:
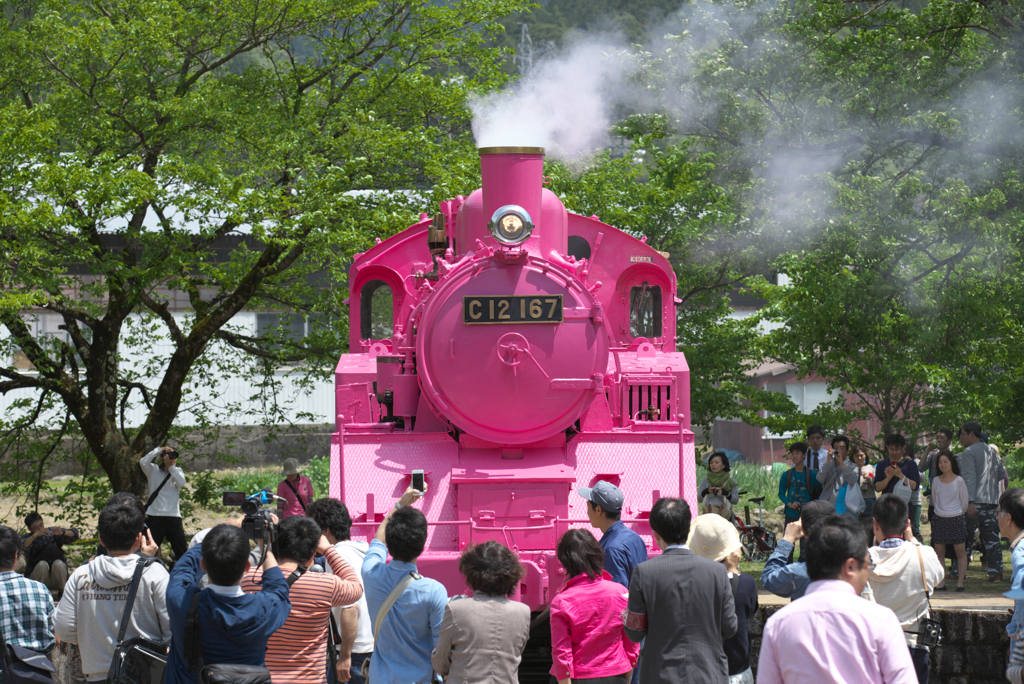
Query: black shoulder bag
x=929, y=632
x=138, y=660
x=296, y=492
x=24, y=666
x=152, y=497
x=219, y=673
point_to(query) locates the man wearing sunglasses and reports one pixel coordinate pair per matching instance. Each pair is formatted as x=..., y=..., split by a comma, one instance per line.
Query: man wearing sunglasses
x=163, y=513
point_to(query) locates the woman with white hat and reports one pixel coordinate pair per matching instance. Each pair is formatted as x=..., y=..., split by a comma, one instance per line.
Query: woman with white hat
x=295, y=489
x=715, y=538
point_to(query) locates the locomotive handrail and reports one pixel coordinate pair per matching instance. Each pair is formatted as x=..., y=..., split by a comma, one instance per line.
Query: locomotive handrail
x=554, y=521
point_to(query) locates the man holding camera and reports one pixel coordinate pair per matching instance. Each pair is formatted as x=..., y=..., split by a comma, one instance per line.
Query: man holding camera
x=89, y=614
x=903, y=573
x=163, y=513
x=832, y=634
x=235, y=626
x=296, y=652
x=44, y=559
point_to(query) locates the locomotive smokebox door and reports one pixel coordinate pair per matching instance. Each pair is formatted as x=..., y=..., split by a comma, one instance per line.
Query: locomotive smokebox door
x=528, y=329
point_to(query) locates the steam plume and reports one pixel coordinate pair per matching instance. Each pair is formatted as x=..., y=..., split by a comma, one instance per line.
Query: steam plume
x=565, y=104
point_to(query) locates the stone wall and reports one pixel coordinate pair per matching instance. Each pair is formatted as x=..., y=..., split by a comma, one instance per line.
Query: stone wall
x=973, y=649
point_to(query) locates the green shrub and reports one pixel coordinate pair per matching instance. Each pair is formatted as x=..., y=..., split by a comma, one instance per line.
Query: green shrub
x=251, y=480
x=318, y=470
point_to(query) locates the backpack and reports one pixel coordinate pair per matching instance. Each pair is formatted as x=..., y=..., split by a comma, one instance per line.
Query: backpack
x=813, y=488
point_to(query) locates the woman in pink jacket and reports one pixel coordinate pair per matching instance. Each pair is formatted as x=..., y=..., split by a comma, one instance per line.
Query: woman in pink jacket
x=296, y=490
x=587, y=639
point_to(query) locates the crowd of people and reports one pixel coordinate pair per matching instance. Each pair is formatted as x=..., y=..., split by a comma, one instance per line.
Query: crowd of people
x=317, y=607
x=966, y=492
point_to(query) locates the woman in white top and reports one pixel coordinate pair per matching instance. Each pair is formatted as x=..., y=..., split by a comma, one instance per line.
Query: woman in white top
x=949, y=524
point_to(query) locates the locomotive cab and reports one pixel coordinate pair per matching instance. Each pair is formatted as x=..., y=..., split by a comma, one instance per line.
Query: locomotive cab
x=514, y=352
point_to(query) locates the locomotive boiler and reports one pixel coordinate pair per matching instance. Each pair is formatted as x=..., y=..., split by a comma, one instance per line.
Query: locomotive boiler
x=511, y=351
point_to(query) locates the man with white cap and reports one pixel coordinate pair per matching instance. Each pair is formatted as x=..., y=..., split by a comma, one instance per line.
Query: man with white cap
x=623, y=548
x=296, y=490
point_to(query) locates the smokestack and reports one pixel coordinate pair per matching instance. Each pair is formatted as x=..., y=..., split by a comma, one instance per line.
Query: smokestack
x=513, y=175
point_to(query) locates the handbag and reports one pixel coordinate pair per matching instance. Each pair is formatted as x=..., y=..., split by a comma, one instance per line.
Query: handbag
x=24, y=666
x=138, y=660
x=903, y=491
x=222, y=673
x=854, y=500
x=383, y=612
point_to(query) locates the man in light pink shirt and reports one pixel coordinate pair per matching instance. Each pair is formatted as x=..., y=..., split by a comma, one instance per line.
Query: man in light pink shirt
x=832, y=634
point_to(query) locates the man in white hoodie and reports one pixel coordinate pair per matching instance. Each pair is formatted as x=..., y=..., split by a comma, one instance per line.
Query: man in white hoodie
x=903, y=574
x=90, y=611
x=354, y=621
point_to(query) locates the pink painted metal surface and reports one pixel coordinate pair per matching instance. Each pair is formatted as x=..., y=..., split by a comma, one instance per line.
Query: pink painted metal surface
x=540, y=377
x=507, y=418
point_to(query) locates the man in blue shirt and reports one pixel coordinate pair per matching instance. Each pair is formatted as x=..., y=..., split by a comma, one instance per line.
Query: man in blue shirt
x=409, y=631
x=234, y=626
x=623, y=548
x=1011, y=526
x=790, y=581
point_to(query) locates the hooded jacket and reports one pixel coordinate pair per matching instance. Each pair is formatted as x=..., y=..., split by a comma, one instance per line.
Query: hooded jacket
x=896, y=582
x=89, y=614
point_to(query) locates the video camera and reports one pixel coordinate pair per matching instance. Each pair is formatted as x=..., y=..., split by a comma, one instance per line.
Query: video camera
x=257, y=524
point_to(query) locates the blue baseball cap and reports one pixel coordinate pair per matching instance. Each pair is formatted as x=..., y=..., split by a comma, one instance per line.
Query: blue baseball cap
x=603, y=494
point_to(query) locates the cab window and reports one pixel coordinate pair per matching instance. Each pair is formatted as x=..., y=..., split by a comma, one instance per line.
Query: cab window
x=376, y=311
x=645, y=310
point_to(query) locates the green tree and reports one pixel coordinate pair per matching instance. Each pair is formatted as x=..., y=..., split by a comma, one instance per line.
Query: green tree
x=879, y=145
x=665, y=193
x=878, y=306
x=136, y=136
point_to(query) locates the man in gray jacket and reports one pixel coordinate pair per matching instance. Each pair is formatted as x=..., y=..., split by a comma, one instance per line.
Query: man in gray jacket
x=90, y=611
x=682, y=603
x=980, y=468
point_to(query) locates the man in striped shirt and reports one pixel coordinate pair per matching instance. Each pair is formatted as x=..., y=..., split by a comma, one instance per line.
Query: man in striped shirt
x=297, y=652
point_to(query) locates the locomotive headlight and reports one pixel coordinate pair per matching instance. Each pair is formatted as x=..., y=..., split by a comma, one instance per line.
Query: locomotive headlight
x=511, y=225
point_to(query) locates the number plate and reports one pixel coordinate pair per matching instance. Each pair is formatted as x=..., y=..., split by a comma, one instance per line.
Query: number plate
x=512, y=309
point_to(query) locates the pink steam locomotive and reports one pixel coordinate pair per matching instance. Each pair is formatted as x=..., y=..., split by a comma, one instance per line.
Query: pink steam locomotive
x=511, y=351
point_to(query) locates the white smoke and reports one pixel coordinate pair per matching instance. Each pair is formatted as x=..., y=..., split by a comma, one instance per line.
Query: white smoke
x=565, y=104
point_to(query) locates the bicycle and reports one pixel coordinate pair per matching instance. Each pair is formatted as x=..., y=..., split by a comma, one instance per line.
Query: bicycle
x=758, y=542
